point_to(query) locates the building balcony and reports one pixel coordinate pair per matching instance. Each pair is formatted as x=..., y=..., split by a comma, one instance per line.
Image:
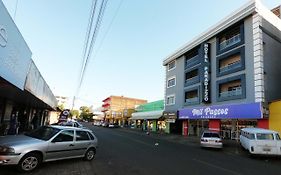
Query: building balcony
x=192, y=61
x=230, y=66
x=190, y=101
x=231, y=41
x=192, y=81
x=232, y=93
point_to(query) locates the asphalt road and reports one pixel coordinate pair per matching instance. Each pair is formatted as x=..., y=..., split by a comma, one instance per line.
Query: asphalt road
x=128, y=152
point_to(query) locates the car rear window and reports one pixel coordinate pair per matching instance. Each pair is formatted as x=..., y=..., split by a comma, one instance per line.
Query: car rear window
x=209, y=134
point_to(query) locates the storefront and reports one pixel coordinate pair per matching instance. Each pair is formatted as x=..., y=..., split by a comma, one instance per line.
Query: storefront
x=172, y=124
x=228, y=119
x=150, y=121
x=25, y=97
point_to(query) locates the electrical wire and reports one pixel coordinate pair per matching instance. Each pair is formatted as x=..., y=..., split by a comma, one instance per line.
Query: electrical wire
x=87, y=51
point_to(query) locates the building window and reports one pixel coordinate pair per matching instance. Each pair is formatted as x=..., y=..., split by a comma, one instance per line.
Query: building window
x=192, y=58
x=171, y=82
x=230, y=38
x=170, y=100
x=232, y=88
x=192, y=77
x=191, y=97
x=231, y=62
x=172, y=65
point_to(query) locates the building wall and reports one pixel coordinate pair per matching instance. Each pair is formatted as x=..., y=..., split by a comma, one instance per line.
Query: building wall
x=177, y=90
x=272, y=61
x=275, y=116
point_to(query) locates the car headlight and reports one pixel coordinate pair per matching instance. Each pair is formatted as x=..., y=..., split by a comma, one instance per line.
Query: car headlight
x=6, y=149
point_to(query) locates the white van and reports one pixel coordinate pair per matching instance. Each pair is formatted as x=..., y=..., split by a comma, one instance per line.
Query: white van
x=260, y=141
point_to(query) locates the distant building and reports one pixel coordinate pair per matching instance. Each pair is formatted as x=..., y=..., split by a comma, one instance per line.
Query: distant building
x=117, y=108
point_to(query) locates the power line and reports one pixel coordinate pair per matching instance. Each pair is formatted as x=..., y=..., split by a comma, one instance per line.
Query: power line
x=87, y=51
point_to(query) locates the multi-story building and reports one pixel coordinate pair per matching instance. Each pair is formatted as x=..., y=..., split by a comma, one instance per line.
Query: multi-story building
x=225, y=78
x=117, y=108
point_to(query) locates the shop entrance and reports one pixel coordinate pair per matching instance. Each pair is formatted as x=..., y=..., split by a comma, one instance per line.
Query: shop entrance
x=230, y=129
x=196, y=127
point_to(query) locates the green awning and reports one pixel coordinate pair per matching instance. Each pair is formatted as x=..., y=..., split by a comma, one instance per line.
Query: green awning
x=147, y=115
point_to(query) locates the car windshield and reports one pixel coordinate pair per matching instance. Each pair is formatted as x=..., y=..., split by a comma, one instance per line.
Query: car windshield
x=209, y=134
x=43, y=133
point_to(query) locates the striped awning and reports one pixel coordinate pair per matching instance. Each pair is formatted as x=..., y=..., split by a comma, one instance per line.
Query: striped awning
x=147, y=115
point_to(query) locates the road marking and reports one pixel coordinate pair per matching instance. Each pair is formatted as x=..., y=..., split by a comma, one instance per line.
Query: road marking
x=215, y=166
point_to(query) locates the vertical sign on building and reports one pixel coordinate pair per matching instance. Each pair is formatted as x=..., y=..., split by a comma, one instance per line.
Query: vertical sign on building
x=206, y=91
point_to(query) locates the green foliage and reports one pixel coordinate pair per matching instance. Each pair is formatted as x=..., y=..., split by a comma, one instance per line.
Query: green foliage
x=61, y=107
x=74, y=113
x=85, y=113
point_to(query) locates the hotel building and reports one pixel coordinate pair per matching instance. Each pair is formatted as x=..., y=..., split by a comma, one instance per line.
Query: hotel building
x=225, y=78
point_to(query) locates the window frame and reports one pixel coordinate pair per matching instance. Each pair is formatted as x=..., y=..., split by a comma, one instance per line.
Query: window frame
x=173, y=77
x=174, y=102
x=174, y=61
x=239, y=51
x=242, y=78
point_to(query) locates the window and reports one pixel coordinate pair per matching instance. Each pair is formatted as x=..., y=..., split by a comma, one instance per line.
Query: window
x=192, y=77
x=191, y=97
x=65, y=136
x=231, y=62
x=230, y=89
x=277, y=137
x=171, y=82
x=82, y=135
x=262, y=136
x=230, y=38
x=170, y=100
x=91, y=136
x=171, y=65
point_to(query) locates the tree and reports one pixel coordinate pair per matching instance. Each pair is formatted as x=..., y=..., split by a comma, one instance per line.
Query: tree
x=74, y=113
x=85, y=113
x=61, y=107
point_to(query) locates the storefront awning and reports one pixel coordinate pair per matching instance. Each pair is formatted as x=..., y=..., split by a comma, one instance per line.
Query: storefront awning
x=147, y=115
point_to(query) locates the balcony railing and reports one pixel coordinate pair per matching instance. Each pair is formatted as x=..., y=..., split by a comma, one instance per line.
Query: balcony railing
x=192, y=80
x=234, y=92
x=191, y=100
x=192, y=61
x=230, y=66
x=231, y=41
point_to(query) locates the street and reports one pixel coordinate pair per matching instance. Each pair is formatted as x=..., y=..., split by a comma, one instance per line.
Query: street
x=125, y=151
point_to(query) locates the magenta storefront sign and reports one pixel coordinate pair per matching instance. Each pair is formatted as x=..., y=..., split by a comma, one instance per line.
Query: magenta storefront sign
x=234, y=111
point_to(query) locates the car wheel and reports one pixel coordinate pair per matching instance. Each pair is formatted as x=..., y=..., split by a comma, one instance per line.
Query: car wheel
x=29, y=162
x=90, y=154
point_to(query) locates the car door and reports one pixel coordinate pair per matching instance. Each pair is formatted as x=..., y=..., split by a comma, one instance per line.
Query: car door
x=61, y=146
x=82, y=141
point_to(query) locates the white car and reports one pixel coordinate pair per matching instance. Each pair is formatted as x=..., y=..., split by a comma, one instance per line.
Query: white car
x=211, y=139
x=260, y=141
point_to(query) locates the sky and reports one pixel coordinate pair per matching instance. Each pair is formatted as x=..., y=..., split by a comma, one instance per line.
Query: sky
x=134, y=39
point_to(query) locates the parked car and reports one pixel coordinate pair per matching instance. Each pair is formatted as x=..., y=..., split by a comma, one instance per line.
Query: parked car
x=260, y=141
x=47, y=143
x=211, y=139
x=70, y=123
x=113, y=125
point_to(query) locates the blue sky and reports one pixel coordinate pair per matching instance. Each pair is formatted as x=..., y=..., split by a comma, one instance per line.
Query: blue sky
x=127, y=60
